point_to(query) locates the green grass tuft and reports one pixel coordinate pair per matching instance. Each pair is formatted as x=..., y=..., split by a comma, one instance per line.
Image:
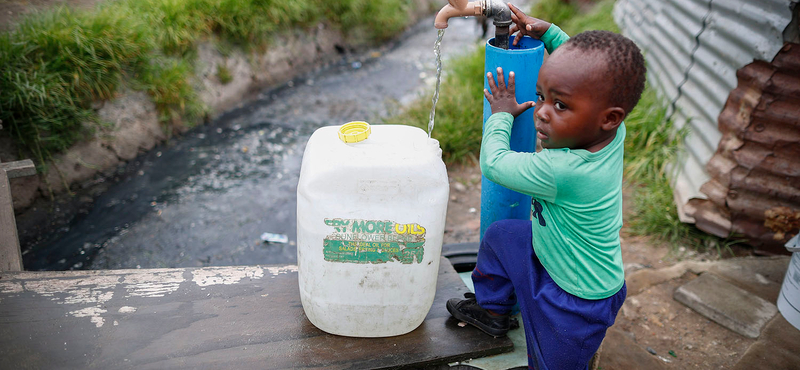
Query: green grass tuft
x=599, y=18
x=168, y=81
x=554, y=11
x=224, y=74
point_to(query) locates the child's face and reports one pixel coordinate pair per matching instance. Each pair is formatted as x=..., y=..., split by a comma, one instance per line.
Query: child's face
x=571, y=99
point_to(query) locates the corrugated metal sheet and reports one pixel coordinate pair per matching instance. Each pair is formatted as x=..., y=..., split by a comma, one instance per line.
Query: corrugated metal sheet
x=693, y=49
x=755, y=171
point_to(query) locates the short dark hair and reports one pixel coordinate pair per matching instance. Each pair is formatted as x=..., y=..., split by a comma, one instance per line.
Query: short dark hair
x=624, y=61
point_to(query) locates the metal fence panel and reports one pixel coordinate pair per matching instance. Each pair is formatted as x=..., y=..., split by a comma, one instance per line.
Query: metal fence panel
x=693, y=50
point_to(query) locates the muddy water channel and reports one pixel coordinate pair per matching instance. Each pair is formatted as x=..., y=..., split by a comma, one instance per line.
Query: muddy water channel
x=205, y=198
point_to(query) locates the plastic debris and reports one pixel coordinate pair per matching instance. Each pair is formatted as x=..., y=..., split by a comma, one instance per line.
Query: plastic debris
x=274, y=238
x=652, y=351
x=793, y=245
x=462, y=324
x=672, y=353
x=356, y=65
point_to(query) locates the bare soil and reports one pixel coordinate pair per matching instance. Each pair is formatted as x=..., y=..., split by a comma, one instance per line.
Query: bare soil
x=11, y=11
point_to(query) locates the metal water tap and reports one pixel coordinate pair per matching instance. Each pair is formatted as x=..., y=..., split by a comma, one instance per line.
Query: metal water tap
x=495, y=9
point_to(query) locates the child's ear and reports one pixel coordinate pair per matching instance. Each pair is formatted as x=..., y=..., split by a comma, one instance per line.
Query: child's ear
x=612, y=118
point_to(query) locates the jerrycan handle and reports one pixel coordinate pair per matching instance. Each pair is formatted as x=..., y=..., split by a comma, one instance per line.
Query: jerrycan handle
x=355, y=131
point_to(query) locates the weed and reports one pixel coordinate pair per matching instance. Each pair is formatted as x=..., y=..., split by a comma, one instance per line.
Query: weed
x=224, y=74
x=652, y=143
x=555, y=11
x=380, y=20
x=167, y=80
x=599, y=18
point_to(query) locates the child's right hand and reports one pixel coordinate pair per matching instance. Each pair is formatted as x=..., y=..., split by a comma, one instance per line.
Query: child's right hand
x=526, y=25
x=502, y=97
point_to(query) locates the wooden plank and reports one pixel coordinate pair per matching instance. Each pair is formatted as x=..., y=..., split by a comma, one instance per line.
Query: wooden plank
x=21, y=168
x=10, y=255
x=246, y=317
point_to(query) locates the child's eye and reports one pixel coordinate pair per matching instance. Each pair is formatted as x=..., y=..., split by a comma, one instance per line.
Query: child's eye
x=560, y=106
x=539, y=97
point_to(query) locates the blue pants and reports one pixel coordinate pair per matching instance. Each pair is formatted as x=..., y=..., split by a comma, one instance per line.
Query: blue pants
x=562, y=331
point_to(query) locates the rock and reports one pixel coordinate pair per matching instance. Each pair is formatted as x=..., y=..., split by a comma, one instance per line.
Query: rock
x=726, y=304
x=24, y=190
x=459, y=186
x=78, y=164
x=136, y=124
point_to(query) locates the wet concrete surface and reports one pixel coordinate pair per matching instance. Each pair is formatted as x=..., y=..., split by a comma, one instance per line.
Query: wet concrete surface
x=204, y=198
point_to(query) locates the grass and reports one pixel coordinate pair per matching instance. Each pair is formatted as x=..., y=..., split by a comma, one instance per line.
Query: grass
x=459, y=112
x=651, y=145
x=55, y=65
x=224, y=74
x=167, y=80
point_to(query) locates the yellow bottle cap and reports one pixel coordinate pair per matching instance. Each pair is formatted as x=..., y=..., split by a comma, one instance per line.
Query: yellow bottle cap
x=353, y=132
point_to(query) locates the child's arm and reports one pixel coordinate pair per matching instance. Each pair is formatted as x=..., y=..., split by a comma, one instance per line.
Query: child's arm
x=526, y=173
x=551, y=35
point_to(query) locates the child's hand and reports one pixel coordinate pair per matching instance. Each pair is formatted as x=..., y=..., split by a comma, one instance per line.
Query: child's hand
x=502, y=98
x=526, y=25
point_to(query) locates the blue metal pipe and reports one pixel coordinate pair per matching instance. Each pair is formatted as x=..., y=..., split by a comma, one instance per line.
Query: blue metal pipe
x=525, y=60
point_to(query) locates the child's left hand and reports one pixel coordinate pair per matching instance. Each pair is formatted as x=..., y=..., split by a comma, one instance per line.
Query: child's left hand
x=502, y=97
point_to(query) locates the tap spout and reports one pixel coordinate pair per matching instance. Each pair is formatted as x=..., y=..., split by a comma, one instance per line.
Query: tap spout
x=457, y=8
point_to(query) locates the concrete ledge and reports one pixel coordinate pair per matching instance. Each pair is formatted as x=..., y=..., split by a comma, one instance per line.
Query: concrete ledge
x=238, y=317
x=726, y=304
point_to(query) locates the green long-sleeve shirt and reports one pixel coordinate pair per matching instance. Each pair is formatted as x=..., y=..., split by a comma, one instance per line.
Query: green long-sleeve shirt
x=577, y=201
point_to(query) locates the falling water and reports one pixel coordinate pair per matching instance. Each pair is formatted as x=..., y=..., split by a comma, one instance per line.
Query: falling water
x=438, y=53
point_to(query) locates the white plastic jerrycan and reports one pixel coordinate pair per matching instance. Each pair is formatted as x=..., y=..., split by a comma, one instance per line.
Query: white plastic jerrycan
x=371, y=207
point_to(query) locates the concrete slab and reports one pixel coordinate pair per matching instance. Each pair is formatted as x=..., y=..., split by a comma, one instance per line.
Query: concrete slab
x=726, y=304
x=776, y=348
x=761, y=276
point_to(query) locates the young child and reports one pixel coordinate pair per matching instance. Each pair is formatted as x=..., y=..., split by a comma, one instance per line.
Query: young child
x=565, y=266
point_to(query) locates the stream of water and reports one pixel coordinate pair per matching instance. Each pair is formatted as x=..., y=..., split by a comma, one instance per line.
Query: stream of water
x=437, y=51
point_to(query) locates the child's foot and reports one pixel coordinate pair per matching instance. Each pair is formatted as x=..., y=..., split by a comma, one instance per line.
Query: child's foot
x=468, y=310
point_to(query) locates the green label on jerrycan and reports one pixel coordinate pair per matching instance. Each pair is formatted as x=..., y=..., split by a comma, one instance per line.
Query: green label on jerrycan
x=373, y=241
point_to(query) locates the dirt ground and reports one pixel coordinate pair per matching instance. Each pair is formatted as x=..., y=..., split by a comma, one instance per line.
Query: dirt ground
x=652, y=318
x=11, y=11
